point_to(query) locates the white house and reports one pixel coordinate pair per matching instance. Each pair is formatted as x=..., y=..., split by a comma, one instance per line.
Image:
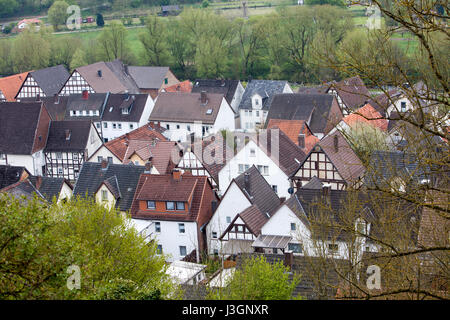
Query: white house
x=187, y=114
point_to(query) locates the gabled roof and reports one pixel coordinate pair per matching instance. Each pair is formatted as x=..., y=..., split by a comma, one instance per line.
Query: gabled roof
x=186, y=107
x=312, y=108
x=148, y=77
x=51, y=79
x=258, y=191
x=10, y=175
x=113, y=186
x=49, y=187
x=95, y=101
x=163, y=187
x=78, y=136
x=113, y=109
x=225, y=87
x=185, y=86
x=345, y=160
x=253, y=218
x=292, y=128
x=265, y=88
x=92, y=176
x=23, y=189
x=114, y=78
x=11, y=85
x=17, y=131
x=383, y=101
x=367, y=115
x=56, y=106
x=352, y=91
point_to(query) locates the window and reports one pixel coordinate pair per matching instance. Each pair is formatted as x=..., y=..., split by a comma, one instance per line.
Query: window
x=98, y=125
x=119, y=125
x=257, y=113
x=181, y=227
x=209, y=111
x=59, y=155
x=214, y=235
x=188, y=128
x=166, y=80
x=99, y=158
x=60, y=171
x=178, y=126
x=168, y=126
x=403, y=106
x=110, y=160
x=131, y=126
x=228, y=219
x=216, y=252
x=114, y=126
x=151, y=205
x=295, y=247
x=170, y=205
x=91, y=113
x=182, y=251
x=252, y=153
x=293, y=226
x=180, y=205
x=75, y=156
x=157, y=226
x=241, y=168
x=105, y=125
x=333, y=247
x=275, y=188
x=2, y=156
x=159, y=249
x=104, y=195
x=264, y=170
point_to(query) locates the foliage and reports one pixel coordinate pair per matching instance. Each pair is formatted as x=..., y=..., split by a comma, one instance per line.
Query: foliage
x=78, y=59
x=39, y=242
x=31, y=50
x=205, y=3
x=259, y=280
x=99, y=20
x=57, y=14
x=113, y=43
x=8, y=7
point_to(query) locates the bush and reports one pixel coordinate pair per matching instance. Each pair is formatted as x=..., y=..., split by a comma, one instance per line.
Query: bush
x=99, y=20
x=205, y=3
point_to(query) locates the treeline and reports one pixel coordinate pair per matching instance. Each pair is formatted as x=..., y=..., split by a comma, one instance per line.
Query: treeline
x=287, y=44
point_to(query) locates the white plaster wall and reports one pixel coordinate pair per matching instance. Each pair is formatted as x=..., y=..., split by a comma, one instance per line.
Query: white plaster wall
x=105, y=153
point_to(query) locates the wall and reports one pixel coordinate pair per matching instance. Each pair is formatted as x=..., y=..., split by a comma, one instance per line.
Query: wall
x=231, y=204
x=105, y=153
x=149, y=104
x=66, y=192
x=97, y=142
x=111, y=200
x=111, y=133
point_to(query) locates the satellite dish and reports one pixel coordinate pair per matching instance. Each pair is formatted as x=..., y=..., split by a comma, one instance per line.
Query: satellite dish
x=291, y=190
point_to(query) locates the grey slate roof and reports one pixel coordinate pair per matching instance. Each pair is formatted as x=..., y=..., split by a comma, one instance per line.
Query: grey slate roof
x=18, y=123
x=92, y=176
x=225, y=87
x=78, y=140
x=23, y=189
x=95, y=101
x=51, y=80
x=148, y=77
x=314, y=183
x=313, y=108
x=265, y=88
x=259, y=193
x=49, y=187
x=56, y=107
x=10, y=175
x=118, y=101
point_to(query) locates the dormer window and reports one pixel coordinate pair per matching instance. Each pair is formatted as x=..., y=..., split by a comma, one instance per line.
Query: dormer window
x=125, y=111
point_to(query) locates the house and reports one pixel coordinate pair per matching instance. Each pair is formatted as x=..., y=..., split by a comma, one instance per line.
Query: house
x=350, y=93
x=333, y=161
x=297, y=130
x=320, y=111
x=231, y=89
x=366, y=115
x=45, y=188
x=100, y=77
x=271, y=151
x=23, y=138
x=69, y=145
x=187, y=114
x=170, y=10
x=112, y=114
x=43, y=83
x=22, y=24
x=176, y=207
x=112, y=185
x=257, y=100
x=122, y=150
x=248, y=195
x=12, y=174
x=185, y=86
x=10, y=86
x=152, y=80
x=183, y=272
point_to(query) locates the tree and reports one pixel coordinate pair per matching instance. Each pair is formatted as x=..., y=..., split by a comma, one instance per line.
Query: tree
x=113, y=42
x=8, y=7
x=259, y=280
x=63, y=49
x=99, y=20
x=57, y=14
x=31, y=50
x=78, y=59
x=154, y=41
x=39, y=242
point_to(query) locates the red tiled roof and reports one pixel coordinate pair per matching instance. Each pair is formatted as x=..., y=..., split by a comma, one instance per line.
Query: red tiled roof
x=11, y=85
x=367, y=114
x=292, y=128
x=185, y=86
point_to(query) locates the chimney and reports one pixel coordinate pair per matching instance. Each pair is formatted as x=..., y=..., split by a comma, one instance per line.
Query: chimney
x=301, y=140
x=282, y=200
x=105, y=164
x=288, y=259
x=99, y=73
x=85, y=95
x=56, y=98
x=247, y=182
x=149, y=165
x=68, y=133
x=176, y=175
x=38, y=182
x=203, y=97
x=336, y=143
